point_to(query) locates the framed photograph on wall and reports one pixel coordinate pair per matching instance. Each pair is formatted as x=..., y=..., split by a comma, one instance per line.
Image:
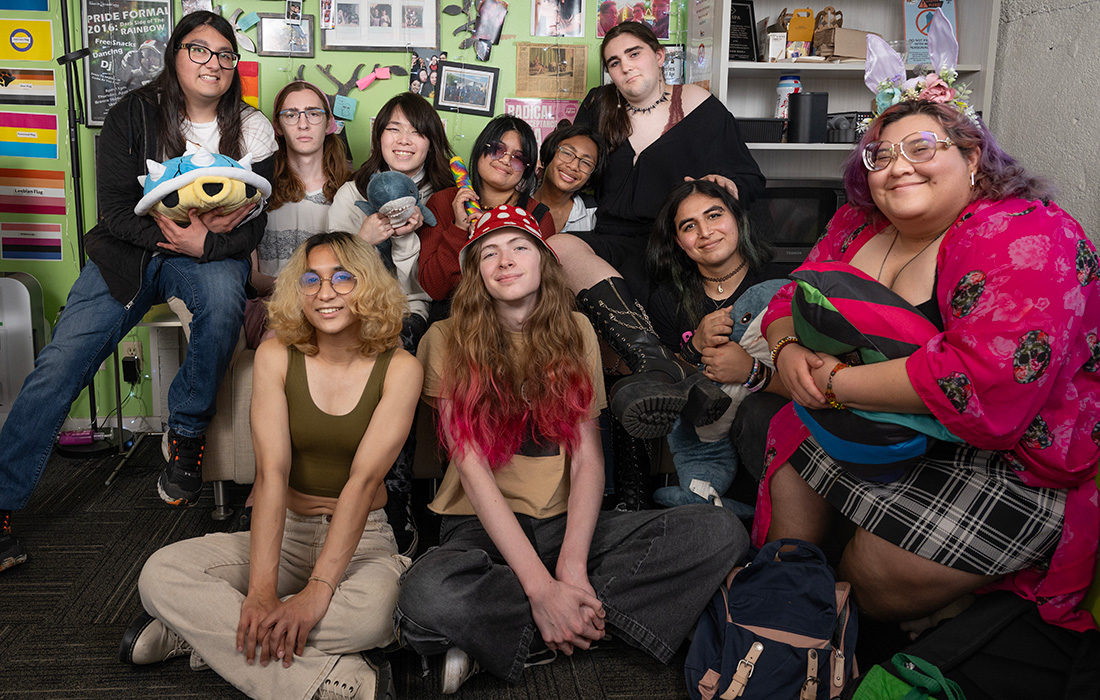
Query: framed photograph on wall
x=127, y=39
x=383, y=25
x=277, y=37
x=466, y=88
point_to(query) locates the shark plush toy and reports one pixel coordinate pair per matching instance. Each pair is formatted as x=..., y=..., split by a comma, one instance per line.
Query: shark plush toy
x=393, y=195
x=200, y=180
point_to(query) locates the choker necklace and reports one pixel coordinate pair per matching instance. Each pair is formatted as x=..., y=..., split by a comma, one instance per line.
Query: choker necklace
x=720, y=280
x=646, y=110
x=900, y=270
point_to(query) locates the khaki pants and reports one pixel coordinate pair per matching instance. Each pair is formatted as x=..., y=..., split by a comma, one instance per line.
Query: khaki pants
x=196, y=588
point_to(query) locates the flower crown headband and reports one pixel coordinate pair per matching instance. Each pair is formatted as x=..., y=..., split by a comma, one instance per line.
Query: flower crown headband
x=885, y=73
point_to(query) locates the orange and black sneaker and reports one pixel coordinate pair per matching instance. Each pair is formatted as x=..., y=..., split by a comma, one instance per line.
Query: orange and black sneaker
x=181, y=481
x=11, y=552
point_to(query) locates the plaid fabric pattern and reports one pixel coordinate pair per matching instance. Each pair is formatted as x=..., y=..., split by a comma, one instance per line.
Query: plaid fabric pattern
x=958, y=506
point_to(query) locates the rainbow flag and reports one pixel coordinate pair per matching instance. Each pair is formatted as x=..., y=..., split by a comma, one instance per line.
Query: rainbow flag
x=28, y=135
x=20, y=86
x=250, y=82
x=32, y=191
x=30, y=241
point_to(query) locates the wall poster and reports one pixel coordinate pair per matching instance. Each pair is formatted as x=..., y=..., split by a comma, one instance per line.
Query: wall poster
x=127, y=39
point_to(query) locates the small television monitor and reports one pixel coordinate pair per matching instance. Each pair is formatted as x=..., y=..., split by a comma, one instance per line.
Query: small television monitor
x=792, y=214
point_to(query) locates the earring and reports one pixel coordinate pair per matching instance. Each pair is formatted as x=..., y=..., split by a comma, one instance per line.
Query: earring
x=972, y=179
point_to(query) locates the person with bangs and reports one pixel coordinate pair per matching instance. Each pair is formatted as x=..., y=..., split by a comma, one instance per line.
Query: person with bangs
x=313, y=585
x=502, y=171
x=310, y=166
x=528, y=565
x=407, y=137
x=571, y=159
x=136, y=261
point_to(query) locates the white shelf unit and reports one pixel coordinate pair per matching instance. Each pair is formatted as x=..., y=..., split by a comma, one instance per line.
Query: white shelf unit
x=748, y=89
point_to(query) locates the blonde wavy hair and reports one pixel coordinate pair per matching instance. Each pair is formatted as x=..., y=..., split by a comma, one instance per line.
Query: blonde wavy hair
x=501, y=397
x=377, y=300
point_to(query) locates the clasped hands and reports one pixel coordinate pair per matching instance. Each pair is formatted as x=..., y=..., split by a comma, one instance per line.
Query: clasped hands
x=280, y=627
x=567, y=611
x=724, y=361
x=190, y=240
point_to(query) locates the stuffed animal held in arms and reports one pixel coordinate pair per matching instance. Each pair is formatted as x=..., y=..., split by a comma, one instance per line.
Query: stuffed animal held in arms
x=393, y=195
x=202, y=181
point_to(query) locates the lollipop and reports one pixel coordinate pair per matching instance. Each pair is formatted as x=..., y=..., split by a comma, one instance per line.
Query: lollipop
x=462, y=179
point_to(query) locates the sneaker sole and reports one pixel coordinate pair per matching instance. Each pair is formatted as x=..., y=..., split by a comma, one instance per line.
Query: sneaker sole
x=185, y=501
x=9, y=562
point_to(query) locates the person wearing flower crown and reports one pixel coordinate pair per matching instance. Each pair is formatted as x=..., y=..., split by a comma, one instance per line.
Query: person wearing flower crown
x=527, y=562
x=941, y=220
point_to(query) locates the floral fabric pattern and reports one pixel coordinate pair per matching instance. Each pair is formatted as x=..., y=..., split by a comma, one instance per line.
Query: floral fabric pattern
x=1019, y=293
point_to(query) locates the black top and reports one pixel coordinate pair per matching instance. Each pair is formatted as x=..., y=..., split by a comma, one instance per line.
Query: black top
x=122, y=243
x=707, y=140
x=671, y=320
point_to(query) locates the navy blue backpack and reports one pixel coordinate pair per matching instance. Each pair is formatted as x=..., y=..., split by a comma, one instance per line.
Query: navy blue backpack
x=779, y=627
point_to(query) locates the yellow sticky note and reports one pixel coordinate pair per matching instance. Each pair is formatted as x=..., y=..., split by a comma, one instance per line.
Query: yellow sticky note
x=26, y=40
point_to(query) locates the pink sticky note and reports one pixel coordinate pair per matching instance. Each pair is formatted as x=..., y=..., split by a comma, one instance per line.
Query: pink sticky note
x=382, y=72
x=365, y=81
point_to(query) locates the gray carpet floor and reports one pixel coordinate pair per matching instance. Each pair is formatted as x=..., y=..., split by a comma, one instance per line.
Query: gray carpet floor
x=63, y=613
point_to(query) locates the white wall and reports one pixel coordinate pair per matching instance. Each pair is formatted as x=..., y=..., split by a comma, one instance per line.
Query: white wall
x=1046, y=98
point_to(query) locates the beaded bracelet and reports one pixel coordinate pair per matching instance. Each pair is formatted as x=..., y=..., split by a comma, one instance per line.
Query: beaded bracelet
x=830, y=396
x=783, y=342
x=324, y=581
x=754, y=374
x=766, y=374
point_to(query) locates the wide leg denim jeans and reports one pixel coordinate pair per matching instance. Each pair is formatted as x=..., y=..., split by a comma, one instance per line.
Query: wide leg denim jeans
x=654, y=571
x=90, y=327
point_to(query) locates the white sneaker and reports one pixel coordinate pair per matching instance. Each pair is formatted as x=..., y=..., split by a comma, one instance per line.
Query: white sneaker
x=354, y=676
x=458, y=667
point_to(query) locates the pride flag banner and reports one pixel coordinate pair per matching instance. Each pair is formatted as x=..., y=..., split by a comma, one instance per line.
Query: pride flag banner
x=32, y=191
x=30, y=241
x=26, y=40
x=250, y=82
x=28, y=135
x=23, y=87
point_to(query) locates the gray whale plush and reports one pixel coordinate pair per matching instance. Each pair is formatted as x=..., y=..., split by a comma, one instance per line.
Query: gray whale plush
x=393, y=195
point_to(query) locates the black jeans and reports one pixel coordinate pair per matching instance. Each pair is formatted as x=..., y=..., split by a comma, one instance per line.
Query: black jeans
x=654, y=571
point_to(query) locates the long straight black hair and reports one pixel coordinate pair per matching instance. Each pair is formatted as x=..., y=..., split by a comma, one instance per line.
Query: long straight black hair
x=165, y=92
x=668, y=261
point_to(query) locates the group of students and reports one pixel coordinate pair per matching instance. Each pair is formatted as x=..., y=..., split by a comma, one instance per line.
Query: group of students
x=501, y=301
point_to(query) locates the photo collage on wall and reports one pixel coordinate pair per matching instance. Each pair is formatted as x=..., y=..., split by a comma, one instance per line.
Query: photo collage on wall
x=424, y=71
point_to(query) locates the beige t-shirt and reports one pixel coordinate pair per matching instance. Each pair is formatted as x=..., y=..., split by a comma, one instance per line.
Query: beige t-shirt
x=537, y=486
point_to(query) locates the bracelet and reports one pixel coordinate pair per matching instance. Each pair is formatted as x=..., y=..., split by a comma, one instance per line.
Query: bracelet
x=754, y=374
x=766, y=374
x=688, y=351
x=830, y=396
x=783, y=342
x=324, y=581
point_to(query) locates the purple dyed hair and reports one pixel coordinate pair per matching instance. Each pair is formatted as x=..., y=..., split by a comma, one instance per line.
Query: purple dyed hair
x=999, y=176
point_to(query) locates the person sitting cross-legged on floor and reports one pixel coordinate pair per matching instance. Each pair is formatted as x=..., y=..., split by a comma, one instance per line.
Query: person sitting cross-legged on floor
x=527, y=562
x=315, y=581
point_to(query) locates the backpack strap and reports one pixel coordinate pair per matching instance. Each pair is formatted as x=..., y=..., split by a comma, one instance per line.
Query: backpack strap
x=744, y=671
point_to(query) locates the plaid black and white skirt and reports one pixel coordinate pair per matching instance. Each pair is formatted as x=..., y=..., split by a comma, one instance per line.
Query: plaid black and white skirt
x=959, y=506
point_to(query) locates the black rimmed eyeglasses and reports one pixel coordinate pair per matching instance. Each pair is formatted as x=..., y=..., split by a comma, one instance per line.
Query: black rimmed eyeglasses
x=201, y=55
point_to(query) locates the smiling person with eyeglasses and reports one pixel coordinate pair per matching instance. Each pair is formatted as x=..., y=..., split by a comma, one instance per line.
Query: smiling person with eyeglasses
x=502, y=171
x=287, y=609
x=570, y=159
x=138, y=261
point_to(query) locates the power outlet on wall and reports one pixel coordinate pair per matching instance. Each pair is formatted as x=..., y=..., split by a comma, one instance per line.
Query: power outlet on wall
x=131, y=348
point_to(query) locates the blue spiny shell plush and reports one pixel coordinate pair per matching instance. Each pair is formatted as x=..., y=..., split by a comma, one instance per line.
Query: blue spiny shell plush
x=200, y=180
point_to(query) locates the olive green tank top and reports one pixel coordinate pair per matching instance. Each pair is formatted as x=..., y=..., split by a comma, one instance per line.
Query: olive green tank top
x=322, y=445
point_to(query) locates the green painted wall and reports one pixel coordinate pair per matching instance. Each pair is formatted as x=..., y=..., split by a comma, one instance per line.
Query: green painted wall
x=462, y=129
